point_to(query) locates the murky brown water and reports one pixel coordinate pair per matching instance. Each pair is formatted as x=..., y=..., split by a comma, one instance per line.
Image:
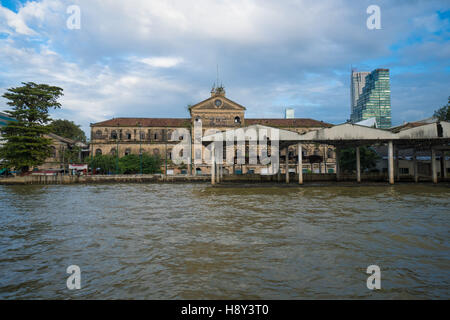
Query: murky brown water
x=188, y=241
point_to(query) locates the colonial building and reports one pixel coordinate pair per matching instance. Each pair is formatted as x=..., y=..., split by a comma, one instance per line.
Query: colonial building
x=123, y=136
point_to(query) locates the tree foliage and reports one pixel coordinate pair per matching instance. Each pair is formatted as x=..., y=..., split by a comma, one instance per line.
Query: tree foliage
x=25, y=146
x=129, y=164
x=67, y=129
x=347, y=159
x=104, y=164
x=443, y=113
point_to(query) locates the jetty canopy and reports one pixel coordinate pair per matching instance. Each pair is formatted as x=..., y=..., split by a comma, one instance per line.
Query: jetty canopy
x=284, y=137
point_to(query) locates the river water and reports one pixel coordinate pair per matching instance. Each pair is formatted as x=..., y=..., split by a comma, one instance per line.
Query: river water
x=193, y=241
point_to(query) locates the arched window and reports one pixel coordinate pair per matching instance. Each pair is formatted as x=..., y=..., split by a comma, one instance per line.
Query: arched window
x=113, y=134
x=237, y=120
x=181, y=152
x=98, y=134
x=98, y=152
x=127, y=151
x=142, y=135
x=113, y=152
x=330, y=153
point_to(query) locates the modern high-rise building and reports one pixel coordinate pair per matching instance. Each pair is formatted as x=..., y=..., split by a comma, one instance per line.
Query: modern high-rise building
x=375, y=99
x=358, y=81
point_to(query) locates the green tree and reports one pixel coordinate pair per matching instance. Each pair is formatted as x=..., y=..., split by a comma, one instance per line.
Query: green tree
x=103, y=164
x=67, y=129
x=131, y=164
x=25, y=145
x=347, y=159
x=443, y=113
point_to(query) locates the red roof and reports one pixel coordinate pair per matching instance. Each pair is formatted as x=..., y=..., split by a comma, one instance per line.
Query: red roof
x=183, y=122
x=145, y=122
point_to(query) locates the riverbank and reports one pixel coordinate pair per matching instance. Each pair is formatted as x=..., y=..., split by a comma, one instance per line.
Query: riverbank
x=160, y=178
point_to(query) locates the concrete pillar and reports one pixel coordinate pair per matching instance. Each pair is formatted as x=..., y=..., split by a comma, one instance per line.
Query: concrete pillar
x=338, y=168
x=391, y=162
x=213, y=165
x=442, y=162
x=189, y=172
x=358, y=166
x=444, y=165
x=415, y=167
x=279, y=169
x=433, y=165
x=397, y=169
x=300, y=164
x=287, y=165
x=217, y=173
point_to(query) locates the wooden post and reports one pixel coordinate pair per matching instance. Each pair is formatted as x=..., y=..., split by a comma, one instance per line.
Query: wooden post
x=300, y=164
x=391, y=162
x=358, y=166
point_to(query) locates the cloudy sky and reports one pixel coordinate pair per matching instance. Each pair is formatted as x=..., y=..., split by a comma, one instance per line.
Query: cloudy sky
x=151, y=58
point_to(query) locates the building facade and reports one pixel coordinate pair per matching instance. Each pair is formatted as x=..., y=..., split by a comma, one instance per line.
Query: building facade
x=375, y=99
x=123, y=136
x=357, y=83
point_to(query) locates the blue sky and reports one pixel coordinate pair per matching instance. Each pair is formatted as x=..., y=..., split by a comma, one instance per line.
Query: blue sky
x=152, y=58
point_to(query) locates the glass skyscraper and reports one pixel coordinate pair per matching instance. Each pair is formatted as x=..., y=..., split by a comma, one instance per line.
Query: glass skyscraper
x=375, y=99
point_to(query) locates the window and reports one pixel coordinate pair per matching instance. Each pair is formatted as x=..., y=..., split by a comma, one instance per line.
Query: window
x=98, y=152
x=156, y=151
x=113, y=134
x=128, y=135
x=237, y=120
x=127, y=151
x=155, y=136
x=53, y=152
x=330, y=153
x=404, y=170
x=98, y=134
x=113, y=152
x=142, y=136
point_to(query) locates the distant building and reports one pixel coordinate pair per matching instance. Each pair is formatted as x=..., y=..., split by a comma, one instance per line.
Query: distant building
x=375, y=99
x=289, y=113
x=357, y=83
x=124, y=136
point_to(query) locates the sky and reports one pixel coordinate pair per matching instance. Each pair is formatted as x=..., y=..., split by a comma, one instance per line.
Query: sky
x=152, y=58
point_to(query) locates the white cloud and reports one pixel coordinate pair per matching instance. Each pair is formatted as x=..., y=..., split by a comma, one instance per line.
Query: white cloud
x=11, y=20
x=152, y=58
x=162, y=62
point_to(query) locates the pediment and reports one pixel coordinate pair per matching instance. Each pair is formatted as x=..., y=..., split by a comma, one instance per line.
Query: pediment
x=217, y=103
